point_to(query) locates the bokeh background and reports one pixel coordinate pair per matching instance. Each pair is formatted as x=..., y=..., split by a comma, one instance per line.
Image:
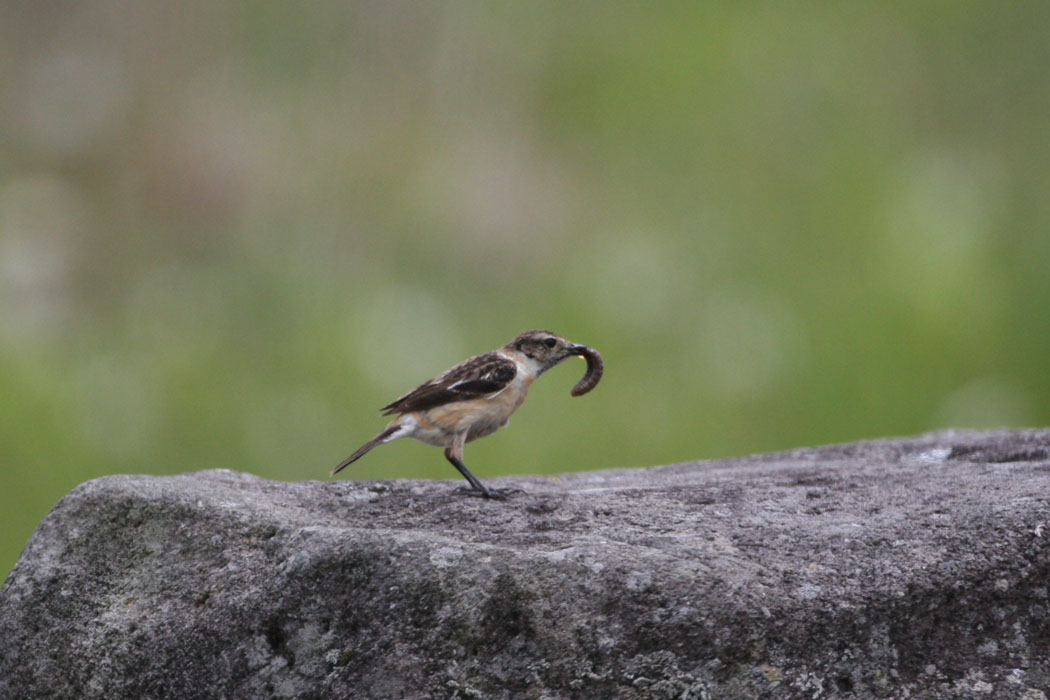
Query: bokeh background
x=230, y=231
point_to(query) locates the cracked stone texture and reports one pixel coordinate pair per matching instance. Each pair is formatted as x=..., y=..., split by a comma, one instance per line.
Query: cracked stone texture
x=914, y=568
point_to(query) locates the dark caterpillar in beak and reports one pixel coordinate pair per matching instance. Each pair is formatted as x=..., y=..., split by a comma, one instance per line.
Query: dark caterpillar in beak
x=595, y=367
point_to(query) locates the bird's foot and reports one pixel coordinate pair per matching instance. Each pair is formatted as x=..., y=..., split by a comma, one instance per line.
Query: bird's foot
x=494, y=494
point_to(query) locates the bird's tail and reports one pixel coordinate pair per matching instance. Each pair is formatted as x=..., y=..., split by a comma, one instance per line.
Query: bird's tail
x=377, y=440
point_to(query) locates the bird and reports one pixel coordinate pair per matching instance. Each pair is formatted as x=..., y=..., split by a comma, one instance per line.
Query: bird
x=476, y=398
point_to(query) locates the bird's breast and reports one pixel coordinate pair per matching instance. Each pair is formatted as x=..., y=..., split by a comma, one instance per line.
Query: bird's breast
x=478, y=417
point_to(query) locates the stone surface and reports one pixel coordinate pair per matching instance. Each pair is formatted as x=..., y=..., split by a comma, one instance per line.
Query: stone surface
x=898, y=568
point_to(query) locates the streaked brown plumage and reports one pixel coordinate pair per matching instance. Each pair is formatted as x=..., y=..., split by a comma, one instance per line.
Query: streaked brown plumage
x=476, y=398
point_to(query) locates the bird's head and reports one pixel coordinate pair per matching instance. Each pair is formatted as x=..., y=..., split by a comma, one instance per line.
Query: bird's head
x=545, y=349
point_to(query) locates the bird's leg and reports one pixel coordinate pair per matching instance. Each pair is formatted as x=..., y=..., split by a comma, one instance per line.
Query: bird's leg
x=454, y=455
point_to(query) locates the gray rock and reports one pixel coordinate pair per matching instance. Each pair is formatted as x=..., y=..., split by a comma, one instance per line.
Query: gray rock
x=899, y=568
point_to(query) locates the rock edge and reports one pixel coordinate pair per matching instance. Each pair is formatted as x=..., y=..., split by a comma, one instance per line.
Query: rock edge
x=892, y=568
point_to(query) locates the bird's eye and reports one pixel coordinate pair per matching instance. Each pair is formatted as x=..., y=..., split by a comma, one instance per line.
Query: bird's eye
x=550, y=342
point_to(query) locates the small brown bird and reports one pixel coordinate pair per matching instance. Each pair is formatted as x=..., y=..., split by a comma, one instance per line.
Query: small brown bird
x=476, y=397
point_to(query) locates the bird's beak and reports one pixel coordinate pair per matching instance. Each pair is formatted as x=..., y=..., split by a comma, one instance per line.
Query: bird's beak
x=581, y=350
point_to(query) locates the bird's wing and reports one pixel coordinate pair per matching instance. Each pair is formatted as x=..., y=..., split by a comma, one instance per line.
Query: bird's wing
x=480, y=376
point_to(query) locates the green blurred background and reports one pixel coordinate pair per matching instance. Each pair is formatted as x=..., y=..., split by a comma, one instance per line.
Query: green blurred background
x=230, y=231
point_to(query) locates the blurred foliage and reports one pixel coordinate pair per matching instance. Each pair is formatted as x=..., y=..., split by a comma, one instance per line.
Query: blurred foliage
x=230, y=231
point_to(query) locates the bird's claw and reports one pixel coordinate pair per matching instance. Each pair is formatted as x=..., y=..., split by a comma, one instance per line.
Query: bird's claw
x=494, y=494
